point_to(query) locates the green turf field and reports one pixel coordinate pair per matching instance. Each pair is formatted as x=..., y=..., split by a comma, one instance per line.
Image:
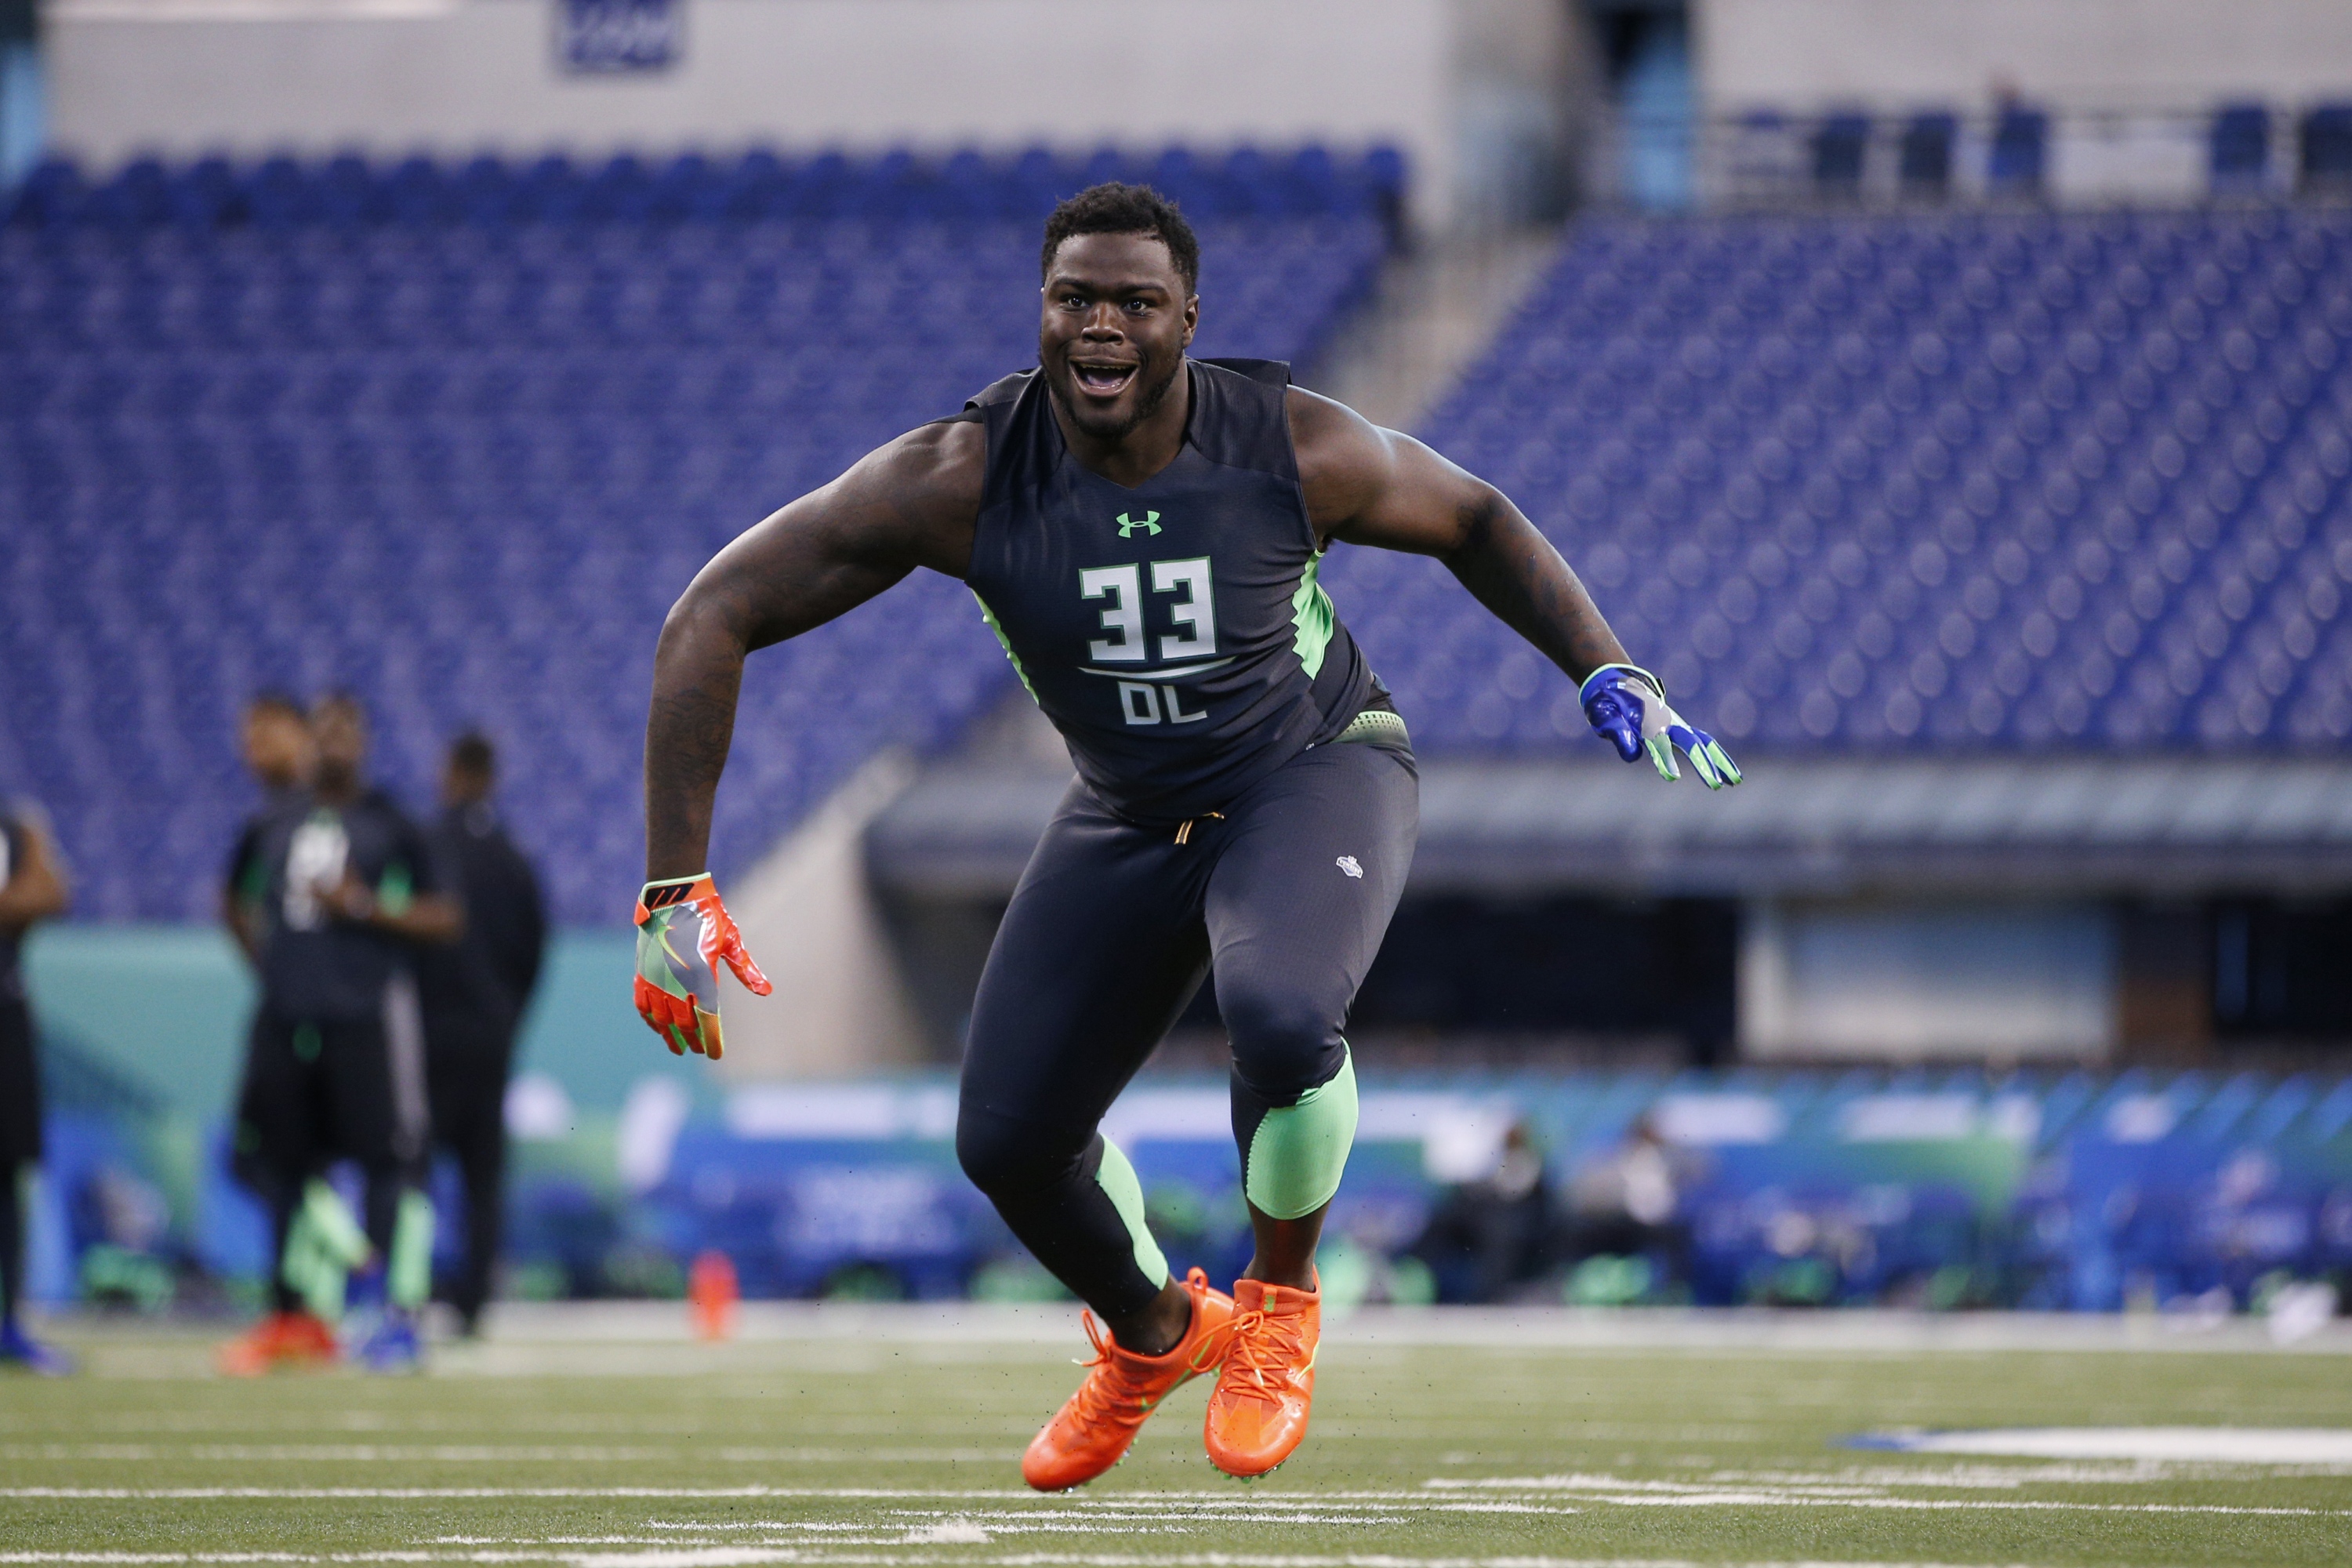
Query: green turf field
x=564, y=1447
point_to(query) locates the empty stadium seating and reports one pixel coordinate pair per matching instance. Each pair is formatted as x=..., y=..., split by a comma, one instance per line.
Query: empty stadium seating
x=351, y=193
x=1961, y=480
x=438, y=437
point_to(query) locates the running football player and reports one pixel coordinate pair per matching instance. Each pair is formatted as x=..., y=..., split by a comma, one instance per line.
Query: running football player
x=1143, y=531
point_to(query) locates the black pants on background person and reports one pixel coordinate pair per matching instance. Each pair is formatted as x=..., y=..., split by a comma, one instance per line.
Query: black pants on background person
x=317, y=1090
x=466, y=1061
x=20, y=1144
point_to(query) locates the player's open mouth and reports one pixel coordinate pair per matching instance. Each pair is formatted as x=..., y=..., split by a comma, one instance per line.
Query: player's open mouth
x=1102, y=380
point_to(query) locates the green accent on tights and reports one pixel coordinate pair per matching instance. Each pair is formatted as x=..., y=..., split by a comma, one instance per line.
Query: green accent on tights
x=409, y=1281
x=1296, y=1156
x=1117, y=1179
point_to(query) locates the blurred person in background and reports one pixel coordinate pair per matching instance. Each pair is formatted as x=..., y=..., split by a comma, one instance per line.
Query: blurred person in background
x=32, y=888
x=1627, y=1202
x=274, y=737
x=474, y=994
x=336, y=1064
x=1488, y=1236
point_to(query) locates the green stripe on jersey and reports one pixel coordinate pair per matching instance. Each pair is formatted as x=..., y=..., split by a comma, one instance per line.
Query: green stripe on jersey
x=1006, y=644
x=1312, y=612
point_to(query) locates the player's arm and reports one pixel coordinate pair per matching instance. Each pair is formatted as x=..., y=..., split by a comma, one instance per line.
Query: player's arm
x=408, y=903
x=1369, y=486
x=239, y=902
x=433, y=919
x=236, y=917
x=911, y=503
x=37, y=887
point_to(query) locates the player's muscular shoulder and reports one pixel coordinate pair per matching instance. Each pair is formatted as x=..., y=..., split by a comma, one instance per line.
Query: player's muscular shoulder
x=1345, y=461
x=917, y=498
x=1365, y=485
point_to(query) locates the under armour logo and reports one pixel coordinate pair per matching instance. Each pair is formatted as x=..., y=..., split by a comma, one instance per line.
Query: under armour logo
x=1348, y=863
x=1150, y=521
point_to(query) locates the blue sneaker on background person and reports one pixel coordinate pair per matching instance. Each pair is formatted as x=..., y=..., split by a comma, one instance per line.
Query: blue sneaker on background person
x=392, y=1345
x=18, y=1348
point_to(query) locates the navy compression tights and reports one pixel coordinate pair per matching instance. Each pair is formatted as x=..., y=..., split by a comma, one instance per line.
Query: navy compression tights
x=1112, y=931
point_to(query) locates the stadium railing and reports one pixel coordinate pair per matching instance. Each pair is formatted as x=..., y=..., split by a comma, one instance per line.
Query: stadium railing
x=2020, y=153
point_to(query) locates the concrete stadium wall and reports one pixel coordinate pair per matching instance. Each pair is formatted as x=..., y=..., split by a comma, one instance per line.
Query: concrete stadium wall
x=2074, y=54
x=460, y=76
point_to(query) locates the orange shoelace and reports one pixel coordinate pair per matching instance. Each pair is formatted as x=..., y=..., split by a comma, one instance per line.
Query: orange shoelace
x=1110, y=1391
x=1268, y=1351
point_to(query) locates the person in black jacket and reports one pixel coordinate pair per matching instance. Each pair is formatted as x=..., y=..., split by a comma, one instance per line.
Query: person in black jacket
x=474, y=994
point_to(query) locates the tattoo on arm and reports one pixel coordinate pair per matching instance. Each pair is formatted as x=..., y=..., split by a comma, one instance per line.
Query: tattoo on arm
x=687, y=735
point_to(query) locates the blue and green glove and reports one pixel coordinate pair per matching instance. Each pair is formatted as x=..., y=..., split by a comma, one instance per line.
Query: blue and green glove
x=684, y=934
x=1626, y=706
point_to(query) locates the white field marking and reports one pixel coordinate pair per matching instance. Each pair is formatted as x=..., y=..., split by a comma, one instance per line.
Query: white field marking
x=2223, y=1445
x=1275, y=1509
x=1988, y=1477
x=723, y=1557
x=957, y=1531
x=1681, y=1494
x=479, y=1453
x=1416, y=1500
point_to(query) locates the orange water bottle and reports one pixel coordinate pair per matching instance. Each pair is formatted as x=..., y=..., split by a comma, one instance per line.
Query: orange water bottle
x=711, y=1295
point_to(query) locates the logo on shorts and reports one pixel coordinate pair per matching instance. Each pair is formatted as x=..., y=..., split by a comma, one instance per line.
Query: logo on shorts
x=1348, y=863
x=1149, y=522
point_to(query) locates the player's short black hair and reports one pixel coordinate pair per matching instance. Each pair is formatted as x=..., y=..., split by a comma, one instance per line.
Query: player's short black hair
x=1115, y=208
x=472, y=752
x=274, y=701
x=341, y=698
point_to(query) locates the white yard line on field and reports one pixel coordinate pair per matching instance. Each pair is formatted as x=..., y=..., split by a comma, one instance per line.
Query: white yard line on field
x=560, y=1551
x=490, y=1453
x=1305, y=1508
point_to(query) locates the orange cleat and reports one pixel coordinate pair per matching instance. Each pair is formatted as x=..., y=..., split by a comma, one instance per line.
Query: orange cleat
x=282, y=1339
x=1258, y=1413
x=1091, y=1432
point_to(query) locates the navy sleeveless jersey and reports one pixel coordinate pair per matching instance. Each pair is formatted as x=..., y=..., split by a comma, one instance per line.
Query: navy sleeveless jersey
x=1174, y=632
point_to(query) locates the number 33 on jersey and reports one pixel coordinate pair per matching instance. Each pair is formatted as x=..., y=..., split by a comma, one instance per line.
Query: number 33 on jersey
x=1174, y=632
x=1189, y=651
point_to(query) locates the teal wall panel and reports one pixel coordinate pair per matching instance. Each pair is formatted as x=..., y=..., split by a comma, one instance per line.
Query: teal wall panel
x=163, y=1009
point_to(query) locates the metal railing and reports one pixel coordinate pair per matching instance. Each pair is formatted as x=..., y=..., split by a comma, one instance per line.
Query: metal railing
x=2020, y=153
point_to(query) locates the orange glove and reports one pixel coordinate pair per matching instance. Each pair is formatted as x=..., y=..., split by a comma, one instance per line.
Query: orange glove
x=684, y=933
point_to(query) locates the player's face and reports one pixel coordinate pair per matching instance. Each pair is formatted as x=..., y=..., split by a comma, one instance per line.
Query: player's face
x=462, y=785
x=341, y=738
x=277, y=746
x=1116, y=318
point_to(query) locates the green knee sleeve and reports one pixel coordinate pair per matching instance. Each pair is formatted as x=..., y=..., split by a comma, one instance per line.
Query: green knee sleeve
x=1117, y=1179
x=324, y=1246
x=408, y=1280
x=1295, y=1158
